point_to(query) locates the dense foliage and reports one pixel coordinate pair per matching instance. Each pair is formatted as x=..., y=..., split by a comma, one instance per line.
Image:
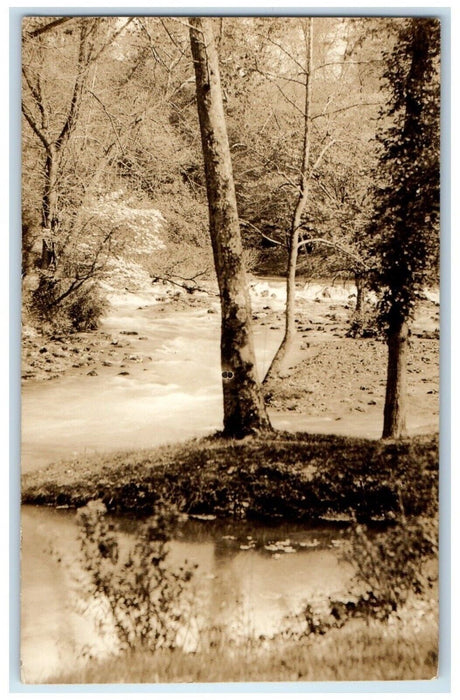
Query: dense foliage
x=405, y=223
x=391, y=568
x=111, y=136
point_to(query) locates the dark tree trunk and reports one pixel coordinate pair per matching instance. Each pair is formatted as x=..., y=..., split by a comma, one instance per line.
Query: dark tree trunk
x=50, y=210
x=394, y=415
x=360, y=294
x=244, y=409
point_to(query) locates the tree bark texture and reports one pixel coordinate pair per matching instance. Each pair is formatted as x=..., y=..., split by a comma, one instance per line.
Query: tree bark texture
x=394, y=416
x=360, y=294
x=293, y=246
x=244, y=408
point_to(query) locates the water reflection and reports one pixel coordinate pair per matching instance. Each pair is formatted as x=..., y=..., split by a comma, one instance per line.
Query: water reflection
x=245, y=583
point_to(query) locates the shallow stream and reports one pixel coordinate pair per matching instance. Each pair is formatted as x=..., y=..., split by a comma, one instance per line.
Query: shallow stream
x=171, y=390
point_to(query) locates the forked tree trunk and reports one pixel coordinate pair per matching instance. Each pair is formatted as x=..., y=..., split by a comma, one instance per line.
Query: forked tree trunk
x=394, y=415
x=244, y=409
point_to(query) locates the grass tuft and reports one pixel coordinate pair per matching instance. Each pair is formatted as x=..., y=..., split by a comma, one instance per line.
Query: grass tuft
x=358, y=653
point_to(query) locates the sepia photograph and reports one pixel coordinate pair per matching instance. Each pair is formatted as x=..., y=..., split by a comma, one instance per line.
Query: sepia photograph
x=230, y=343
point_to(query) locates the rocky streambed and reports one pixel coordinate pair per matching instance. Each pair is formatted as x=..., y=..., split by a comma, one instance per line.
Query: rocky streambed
x=151, y=374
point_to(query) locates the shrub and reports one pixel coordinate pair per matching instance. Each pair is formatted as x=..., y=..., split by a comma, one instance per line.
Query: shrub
x=364, y=324
x=86, y=309
x=79, y=311
x=390, y=567
x=145, y=595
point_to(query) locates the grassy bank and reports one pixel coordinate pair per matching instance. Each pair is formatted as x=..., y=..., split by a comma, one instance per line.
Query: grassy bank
x=301, y=476
x=359, y=652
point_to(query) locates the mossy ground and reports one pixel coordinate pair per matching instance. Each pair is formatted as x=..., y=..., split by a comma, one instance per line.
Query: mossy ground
x=277, y=475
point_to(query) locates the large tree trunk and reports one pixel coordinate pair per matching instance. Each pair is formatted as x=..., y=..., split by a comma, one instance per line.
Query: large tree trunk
x=394, y=415
x=288, y=343
x=244, y=409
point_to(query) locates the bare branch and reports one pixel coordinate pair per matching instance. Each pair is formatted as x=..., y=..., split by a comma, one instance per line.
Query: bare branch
x=264, y=235
x=286, y=97
x=112, y=39
x=344, y=109
x=346, y=63
x=47, y=27
x=284, y=50
x=155, y=53
x=173, y=39
x=110, y=117
x=273, y=76
x=91, y=273
x=321, y=156
x=35, y=90
x=274, y=241
x=336, y=246
x=293, y=184
x=77, y=89
x=190, y=284
x=33, y=125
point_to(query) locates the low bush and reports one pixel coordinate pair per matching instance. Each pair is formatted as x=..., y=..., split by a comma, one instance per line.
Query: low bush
x=146, y=597
x=86, y=309
x=81, y=310
x=364, y=324
x=391, y=568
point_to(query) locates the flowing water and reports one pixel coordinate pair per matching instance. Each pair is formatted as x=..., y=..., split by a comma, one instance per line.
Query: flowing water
x=172, y=395
x=174, y=392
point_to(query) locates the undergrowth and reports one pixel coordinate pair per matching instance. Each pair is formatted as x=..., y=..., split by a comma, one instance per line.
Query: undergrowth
x=144, y=596
x=351, y=640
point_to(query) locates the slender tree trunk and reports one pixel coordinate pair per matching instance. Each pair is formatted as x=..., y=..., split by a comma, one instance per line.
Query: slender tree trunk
x=360, y=294
x=394, y=415
x=50, y=211
x=50, y=192
x=290, y=333
x=244, y=409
